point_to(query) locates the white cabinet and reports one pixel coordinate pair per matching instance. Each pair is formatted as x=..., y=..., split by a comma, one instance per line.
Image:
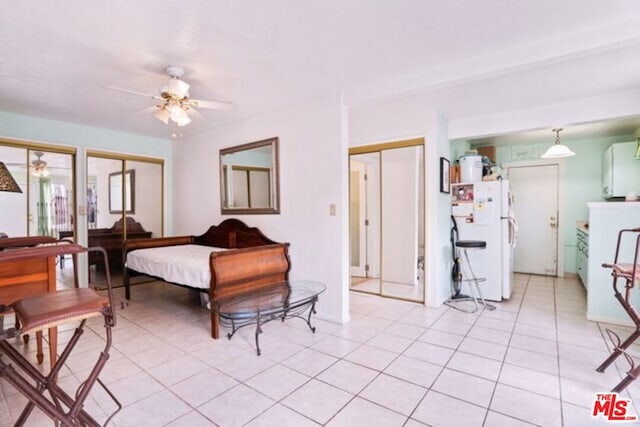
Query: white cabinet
x=620, y=170
x=582, y=259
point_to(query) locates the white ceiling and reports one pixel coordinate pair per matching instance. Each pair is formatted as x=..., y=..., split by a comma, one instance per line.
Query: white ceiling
x=467, y=57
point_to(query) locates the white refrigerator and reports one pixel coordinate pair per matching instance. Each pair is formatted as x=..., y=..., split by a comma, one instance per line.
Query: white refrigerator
x=484, y=211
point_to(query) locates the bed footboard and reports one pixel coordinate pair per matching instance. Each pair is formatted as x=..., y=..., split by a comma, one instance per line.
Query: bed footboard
x=239, y=271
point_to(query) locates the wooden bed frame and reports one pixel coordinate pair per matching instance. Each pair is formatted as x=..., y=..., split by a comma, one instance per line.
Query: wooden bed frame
x=254, y=261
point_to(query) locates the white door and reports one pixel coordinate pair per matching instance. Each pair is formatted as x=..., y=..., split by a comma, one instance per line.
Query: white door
x=535, y=195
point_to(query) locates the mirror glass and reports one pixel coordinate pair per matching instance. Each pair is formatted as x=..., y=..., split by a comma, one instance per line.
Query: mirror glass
x=148, y=190
x=51, y=197
x=386, y=222
x=13, y=214
x=46, y=205
x=143, y=217
x=116, y=192
x=249, y=182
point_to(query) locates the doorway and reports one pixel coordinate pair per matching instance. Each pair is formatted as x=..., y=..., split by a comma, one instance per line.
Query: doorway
x=536, y=192
x=386, y=219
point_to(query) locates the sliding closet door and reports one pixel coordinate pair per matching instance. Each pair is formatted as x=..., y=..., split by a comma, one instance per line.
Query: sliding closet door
x=147, y=194
x=51, y=198
x=402, y=187
x=46, y=205
x=13, y=214
x=364, y=222
x=124, y=201
x=386, y=218
x=104, y=198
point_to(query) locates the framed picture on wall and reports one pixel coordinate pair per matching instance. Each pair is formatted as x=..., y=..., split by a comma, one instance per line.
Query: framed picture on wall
x=444, y=175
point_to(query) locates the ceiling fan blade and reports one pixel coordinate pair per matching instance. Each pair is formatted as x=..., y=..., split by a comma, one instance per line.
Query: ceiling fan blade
x=133, y=92
x=151, y=109
x=216, y=105
x=195, y=113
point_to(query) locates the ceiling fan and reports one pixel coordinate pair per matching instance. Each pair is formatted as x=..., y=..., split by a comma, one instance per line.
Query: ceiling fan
x=38, y=166
x=174, y=101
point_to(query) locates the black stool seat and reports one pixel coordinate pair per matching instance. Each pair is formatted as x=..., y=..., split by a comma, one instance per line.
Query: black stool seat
x=471, y=244
x=473, y=280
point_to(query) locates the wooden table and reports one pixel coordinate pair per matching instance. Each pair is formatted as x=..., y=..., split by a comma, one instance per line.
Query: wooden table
x=19, y=279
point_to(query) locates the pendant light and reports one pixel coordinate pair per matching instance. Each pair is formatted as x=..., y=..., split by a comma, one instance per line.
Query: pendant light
x=557, y=150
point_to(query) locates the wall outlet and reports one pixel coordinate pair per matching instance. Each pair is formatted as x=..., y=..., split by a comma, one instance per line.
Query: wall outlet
x=332, y=209
x=82, y=210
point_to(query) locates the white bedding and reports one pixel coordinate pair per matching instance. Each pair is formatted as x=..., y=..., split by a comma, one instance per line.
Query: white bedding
x=182, y=264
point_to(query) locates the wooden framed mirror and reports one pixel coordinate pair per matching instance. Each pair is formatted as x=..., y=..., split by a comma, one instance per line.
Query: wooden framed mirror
x=249, y=182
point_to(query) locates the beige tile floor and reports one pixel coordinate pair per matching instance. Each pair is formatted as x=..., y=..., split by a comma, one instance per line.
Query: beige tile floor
x=530, y=362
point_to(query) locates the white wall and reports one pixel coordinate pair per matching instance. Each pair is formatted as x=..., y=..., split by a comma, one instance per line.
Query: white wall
x=399, y=118
x=313, y=175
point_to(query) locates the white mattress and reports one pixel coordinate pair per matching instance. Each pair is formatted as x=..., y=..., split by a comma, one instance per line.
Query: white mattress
x=182, y=264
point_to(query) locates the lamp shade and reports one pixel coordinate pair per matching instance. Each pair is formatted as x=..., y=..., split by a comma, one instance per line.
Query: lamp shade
x=557, y=150
x=163, y=115
x=7, y=183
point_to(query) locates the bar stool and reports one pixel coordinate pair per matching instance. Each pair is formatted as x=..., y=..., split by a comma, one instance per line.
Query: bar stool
x=46, y=310
x=474, y=282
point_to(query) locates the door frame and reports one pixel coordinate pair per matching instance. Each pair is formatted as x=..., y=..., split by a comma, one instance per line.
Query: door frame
x=561, y=223
x=378, y=148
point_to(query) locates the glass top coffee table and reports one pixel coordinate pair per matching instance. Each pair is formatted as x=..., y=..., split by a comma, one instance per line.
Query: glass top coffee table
x=278, y=301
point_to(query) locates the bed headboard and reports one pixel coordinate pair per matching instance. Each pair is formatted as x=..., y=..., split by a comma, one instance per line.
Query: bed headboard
x=231, y=234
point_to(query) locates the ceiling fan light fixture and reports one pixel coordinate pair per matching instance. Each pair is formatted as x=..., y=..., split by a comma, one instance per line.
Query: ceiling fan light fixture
x=182, y=120
x=178, y=87
x=163, y=115
x=177, y=114
x=557, y=150
x=40, y=172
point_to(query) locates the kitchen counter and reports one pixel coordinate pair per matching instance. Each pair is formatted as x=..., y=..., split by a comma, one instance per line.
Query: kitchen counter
x=613, y=205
